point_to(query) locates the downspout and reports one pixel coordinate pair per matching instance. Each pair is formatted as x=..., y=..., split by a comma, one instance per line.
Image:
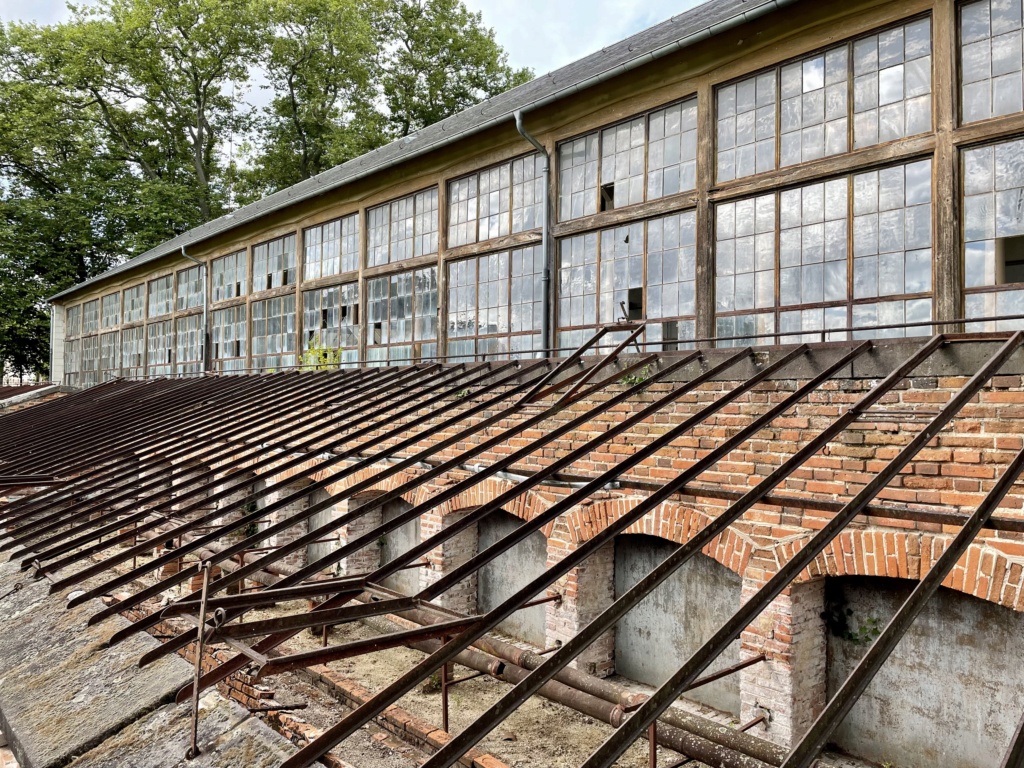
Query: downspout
x=545, y=320
x=206, y=306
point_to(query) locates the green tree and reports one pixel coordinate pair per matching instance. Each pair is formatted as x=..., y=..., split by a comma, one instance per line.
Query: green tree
x=442, y=61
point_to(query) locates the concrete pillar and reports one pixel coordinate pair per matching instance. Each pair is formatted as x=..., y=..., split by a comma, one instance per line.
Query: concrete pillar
x=297, y=559
x=586, y=591
x=789, y=688
x=449, y=556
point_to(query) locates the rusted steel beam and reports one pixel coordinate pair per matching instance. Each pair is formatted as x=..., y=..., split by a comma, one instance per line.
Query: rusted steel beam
x=460, y=487
x=604, y=361
x=806, y=751
x=406, y=682
x=564, y=365
x=448, y=403
x=236, y=474
x=610, y=616
x=606, y=755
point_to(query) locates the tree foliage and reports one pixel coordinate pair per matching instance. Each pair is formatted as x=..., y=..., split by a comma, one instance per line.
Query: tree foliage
x=117, y=123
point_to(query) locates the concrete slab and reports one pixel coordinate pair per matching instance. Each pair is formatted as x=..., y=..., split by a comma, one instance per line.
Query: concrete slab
x=229, y=737
x=62, y=691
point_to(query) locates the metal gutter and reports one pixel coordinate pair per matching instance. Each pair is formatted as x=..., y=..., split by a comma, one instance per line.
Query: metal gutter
x=242, y=216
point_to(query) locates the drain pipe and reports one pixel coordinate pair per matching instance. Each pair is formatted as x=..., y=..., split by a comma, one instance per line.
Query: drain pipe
x=206, y=306
x=545, y=321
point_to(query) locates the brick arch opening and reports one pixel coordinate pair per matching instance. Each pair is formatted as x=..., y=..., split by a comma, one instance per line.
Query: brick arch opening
x=662, y=631
x=952, y=690
x=511, y=571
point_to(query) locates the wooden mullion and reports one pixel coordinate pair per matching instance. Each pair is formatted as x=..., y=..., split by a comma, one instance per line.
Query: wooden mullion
x=704, y=289
x=947, y=256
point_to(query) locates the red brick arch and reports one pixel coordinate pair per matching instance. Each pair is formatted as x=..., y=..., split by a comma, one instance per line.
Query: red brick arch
x=985, y=571
x=525, y=506
x=385, y=485
x=671, y=520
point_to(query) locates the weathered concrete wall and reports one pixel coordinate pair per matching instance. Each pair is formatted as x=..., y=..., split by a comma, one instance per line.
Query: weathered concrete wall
x=503, y=577
x=951, y=693
x=64, y=693
x=323, y=548
x=661, y=632
x=398, y=542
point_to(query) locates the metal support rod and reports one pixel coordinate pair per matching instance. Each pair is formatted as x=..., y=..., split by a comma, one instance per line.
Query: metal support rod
x=444, y=690
x=1015, y=753
x=652, y=745
x=197, y=667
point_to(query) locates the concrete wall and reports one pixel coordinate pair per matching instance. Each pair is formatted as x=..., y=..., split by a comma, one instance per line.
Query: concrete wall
x=321, y=549
x=398, y=542
x=654, y=639
x=513, y=570
x=951, y=693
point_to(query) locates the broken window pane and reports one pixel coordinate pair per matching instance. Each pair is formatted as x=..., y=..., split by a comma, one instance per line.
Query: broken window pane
x=189, y=333
x=990, y=59
x=402, y=316
x=161, y=296
x=331, y=324
x=273, y=264
x=331, y=248
x=228, y=274
x=496, y=201
x=228, y=340
x=273, y=334
x=159, y=348
x=622, y=164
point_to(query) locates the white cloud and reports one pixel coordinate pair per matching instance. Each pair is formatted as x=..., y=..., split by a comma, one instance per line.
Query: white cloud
x=38, y=11
x=546, y=35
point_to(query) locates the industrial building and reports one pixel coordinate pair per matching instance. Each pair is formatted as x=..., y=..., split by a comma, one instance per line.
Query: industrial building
x=680, y=387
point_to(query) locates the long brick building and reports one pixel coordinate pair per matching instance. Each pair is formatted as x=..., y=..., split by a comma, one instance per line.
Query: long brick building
x=699, y=355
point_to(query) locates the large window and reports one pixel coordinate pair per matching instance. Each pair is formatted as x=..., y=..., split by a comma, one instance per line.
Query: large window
x=990, y=59
x=228, y=340
x=273, y=264
x=73, y=322
x=159, y=348
x=496, y=202
x=72, y=361
x=402, y=316
x=634, y=272
x=133, y=352
x=805, y=105
x=228, y=276
x=793, y=275
x=161, y=296
x=994, y=234
x=110, y=355
x=644, y=158
x=273, y=334
x=331, y=321
x=90, y=376
x=110, y=310
x=189, y=335
x=494, y=305
x=331, y=248
x=134, y=304
x=190, y=288
x=90, y=317
x=403, y=229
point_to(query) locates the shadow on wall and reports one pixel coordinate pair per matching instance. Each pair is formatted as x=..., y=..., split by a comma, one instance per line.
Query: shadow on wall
x=661, y=632
x=951, y=693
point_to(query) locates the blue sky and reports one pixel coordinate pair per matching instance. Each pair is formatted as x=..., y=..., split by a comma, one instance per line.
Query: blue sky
x=541, y=34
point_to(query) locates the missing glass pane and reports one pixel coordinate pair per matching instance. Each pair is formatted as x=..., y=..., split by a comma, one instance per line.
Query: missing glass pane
x=633, y=306
x=608, y=197
x=1010, y=260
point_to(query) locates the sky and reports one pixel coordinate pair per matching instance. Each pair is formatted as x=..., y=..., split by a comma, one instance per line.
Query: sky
x=571, y=28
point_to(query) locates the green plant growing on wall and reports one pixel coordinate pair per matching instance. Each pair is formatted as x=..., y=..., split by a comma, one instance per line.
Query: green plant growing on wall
x=840, y=621
x=319, y=357
x=637, y=377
